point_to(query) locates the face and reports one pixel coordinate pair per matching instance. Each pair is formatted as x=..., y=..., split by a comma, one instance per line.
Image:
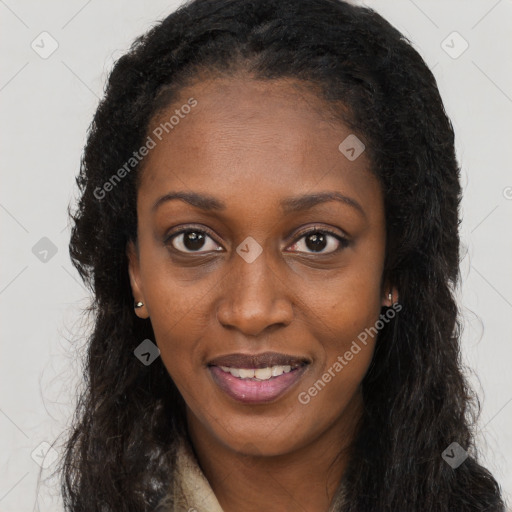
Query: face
x=259, y=261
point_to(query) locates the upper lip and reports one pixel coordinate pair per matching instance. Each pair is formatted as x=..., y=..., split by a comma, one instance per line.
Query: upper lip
x=258, y=360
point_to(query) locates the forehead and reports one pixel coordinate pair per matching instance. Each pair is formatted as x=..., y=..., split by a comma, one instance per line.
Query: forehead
x=248, y=135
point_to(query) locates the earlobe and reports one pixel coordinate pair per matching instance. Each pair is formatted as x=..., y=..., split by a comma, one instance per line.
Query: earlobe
x=390, y=296
x=135, y=280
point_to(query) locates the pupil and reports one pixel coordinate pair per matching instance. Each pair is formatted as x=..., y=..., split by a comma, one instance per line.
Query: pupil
x=315, y=241
x=193, y=240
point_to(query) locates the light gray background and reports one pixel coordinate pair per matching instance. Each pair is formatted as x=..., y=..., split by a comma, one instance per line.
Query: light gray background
x=46, y=106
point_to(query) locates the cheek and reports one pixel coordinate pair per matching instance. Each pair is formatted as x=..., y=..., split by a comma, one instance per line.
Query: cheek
x=346, y=342
x=342, y=318
x=174, y=305
x=179, y=315
x=343, y=305
x=179, y=323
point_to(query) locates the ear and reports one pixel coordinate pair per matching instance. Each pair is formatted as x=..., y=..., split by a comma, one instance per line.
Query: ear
x=132, y=254
x=386, y=291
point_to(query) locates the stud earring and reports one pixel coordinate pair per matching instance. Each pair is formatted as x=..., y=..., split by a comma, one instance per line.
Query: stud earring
x=138, y=305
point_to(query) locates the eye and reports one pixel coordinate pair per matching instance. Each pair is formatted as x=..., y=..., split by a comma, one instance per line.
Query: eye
x=314, y=241
x=193, y=241
x=317, y=240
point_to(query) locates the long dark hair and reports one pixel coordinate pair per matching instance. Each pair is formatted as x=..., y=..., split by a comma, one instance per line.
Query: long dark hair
x=121, y=448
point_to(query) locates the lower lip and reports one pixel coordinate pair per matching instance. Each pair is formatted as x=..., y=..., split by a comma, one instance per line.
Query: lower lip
x=253, y=391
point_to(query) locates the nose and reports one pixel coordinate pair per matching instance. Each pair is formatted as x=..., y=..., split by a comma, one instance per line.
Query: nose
x=254, y=297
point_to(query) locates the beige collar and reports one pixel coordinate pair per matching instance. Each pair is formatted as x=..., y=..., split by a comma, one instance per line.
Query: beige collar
x=196, y=492
x=191, y=491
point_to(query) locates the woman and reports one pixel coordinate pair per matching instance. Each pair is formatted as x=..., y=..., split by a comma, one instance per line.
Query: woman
x=268, y=221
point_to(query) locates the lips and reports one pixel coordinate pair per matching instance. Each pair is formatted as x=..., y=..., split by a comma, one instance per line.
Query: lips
x=254, y=361
x=257, y=378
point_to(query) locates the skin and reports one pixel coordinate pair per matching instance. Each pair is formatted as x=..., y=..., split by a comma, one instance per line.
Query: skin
x=250, y=144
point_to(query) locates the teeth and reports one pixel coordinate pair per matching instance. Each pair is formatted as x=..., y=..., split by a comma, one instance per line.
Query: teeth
x=263, y=373
x=245, y=373
x=257, y=374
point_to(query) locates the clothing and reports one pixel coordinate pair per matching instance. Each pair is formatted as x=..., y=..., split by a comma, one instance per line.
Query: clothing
x=191, y=491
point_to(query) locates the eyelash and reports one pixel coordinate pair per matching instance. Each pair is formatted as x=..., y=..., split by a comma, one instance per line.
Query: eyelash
x=343, y=241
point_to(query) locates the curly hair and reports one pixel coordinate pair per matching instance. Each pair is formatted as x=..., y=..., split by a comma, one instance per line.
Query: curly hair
x=122, y=444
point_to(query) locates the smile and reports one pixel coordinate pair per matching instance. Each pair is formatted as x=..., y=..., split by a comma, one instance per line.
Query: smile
x=256, y=378
x=258, y=374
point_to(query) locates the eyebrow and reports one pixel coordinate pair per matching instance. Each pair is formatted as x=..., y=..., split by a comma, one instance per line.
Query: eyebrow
x=298, y=203
x=288, y=204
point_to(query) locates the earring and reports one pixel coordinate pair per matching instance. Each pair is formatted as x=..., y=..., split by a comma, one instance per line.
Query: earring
x=390, y=296
x=138, y=305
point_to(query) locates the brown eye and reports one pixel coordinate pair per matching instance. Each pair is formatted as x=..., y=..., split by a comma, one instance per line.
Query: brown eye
x=193, y=241
x=317, y=241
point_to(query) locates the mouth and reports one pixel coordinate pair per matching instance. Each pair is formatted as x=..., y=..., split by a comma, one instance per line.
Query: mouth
x=260, y=378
